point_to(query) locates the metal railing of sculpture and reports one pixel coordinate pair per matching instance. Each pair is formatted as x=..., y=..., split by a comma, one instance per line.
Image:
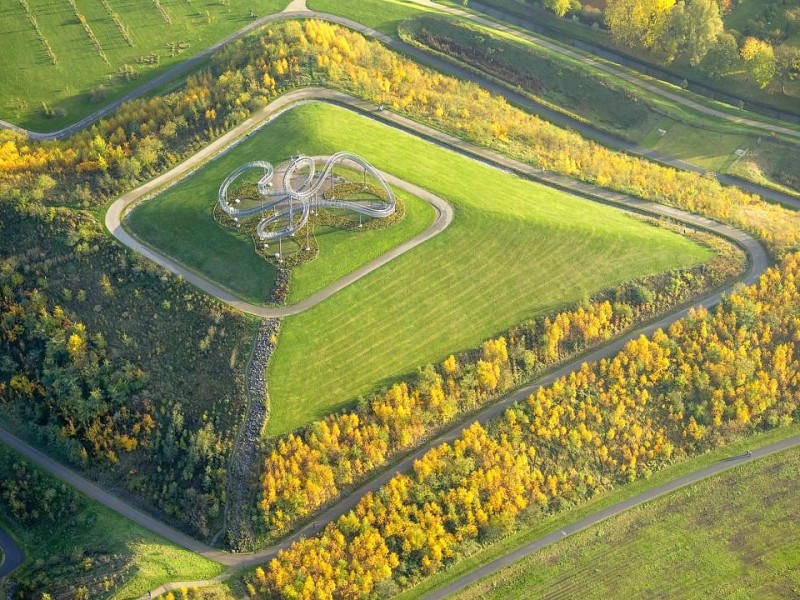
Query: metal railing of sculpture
x=301, y=190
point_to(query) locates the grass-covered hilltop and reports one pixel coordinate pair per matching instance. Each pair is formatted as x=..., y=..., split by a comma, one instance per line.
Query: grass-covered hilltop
x=575, y=324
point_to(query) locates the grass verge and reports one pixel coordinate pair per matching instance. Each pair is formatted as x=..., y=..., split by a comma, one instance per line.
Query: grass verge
x=382, y=15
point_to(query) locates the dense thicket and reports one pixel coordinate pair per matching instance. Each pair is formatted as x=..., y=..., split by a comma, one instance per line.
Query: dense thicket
x=98, y=352
x=708, y=378
x=36, y=506
x=31, y=497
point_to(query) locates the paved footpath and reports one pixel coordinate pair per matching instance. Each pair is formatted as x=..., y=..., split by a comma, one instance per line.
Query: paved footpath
x=117, y=211
x=758, y=262
x=13, y=556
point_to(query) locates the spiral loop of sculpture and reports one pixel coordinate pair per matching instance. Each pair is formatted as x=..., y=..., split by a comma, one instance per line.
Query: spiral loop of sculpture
x=285, y=208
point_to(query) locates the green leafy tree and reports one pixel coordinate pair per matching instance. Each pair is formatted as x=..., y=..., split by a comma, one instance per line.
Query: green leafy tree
x=787, y=64
x=560, y=7
x=700, y=24
x=759, y=58
x=722, y=57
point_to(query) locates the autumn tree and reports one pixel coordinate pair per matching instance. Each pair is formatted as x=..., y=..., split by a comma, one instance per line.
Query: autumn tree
x=759, y=58
x=638, y=23
x=559, y=7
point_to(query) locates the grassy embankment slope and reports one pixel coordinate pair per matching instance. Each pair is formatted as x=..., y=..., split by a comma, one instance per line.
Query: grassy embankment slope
x=28, y=76
x=515, y=250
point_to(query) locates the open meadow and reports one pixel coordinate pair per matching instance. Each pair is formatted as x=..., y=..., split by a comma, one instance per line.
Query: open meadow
x=61, y=61
x=515, y=250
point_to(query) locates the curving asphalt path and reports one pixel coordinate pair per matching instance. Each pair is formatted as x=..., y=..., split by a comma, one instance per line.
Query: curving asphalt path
x=601, y=515
x=758, y=262
x=13, y=556
x=117, y=211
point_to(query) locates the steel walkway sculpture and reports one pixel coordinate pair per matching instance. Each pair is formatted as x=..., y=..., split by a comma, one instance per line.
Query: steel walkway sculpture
x=287, y=196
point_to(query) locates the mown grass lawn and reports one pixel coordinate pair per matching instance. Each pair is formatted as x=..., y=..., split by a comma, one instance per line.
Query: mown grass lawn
x=708, y=149
x=732, y=536
x=515, y=250
x=28, y=77
x=180, y=223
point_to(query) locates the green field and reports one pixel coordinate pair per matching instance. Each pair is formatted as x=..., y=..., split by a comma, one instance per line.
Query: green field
x=382, y=15
x=179, y=223
x=515, y=250
x=99, y=533
x=610, y=104
x=731, y=536
x=711, y=150
x=28, y=76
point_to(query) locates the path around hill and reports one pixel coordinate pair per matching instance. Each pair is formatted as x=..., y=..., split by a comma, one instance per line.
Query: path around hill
x=758, y=262
x=118, y=209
